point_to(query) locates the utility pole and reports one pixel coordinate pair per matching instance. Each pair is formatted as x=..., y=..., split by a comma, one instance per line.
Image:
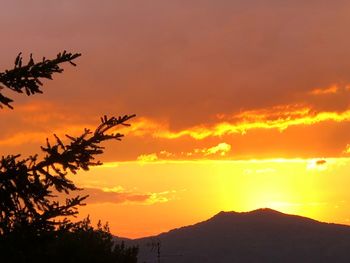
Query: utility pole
x=155, y=245
x=158, y=251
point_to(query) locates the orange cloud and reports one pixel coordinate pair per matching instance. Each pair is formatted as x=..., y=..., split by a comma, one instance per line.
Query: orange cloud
x=333, y=89
x=118, y=195
x=39, y=137
x=280, y=118
x=37, y=120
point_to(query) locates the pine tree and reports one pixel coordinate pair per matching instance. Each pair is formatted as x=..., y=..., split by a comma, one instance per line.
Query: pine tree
x=34, y=225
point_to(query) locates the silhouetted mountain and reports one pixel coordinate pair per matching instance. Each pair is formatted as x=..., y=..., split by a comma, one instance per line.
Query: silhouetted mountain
x=263, y=235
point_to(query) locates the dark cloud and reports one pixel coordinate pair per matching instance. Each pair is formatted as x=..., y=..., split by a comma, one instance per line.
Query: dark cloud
x=321, y=162
x=165, y=57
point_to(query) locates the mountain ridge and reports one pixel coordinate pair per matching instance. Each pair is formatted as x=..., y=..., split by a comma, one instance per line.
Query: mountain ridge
x=262, y=235
x=257, y=212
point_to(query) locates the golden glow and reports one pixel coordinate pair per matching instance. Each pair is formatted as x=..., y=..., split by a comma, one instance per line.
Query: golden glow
x=192, y=191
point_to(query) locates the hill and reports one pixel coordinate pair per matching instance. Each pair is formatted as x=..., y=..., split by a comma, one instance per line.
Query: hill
x=263, y=235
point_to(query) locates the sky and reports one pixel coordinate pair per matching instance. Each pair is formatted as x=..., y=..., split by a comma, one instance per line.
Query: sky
x=240, y=104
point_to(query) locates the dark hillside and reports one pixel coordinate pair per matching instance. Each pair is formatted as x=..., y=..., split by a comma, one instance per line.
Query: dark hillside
x=263, y=235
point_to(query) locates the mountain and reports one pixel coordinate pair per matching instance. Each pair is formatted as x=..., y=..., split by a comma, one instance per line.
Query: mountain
x=263, y=235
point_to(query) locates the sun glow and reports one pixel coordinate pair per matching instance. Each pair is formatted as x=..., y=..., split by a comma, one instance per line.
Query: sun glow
x=308, y=187
x=282, y=184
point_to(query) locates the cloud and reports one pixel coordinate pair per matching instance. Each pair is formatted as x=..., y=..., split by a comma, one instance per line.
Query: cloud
x=231, y=62
x=118, y=195
x=250, y=132
x=321, y=162
x=317, y=164
x=333, y=89
x=166, y=154
x=208, y=56
x=221, y=148
x=148, y=157
x=39, y=137
x=156, y=139
x=347, y=149
x=278, y=117
x=35, y=121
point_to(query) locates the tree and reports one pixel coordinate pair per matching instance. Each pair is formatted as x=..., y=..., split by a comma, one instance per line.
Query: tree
x=33, y=224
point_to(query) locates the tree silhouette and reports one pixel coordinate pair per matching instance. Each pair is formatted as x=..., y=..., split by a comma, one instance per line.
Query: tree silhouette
x=34, y=225
x=29, y=77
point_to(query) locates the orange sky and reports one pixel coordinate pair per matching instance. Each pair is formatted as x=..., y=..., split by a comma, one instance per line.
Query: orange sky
x=239, y=104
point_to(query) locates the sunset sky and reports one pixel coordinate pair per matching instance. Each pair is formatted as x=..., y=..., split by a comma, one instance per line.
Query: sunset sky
x=240, y=104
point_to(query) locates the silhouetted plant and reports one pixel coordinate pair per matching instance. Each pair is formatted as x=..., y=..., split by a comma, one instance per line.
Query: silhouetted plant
x=33, y=224
x=82, y=243
x=28, y=77
x=94, y=245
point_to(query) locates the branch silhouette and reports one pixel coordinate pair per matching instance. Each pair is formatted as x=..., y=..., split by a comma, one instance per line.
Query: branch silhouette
x=34, y=225
x=27, y=185
x=28, y=78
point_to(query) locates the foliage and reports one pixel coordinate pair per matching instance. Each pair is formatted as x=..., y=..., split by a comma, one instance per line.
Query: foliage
x=82, y=243
x=33, y=224
x=28, y=77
